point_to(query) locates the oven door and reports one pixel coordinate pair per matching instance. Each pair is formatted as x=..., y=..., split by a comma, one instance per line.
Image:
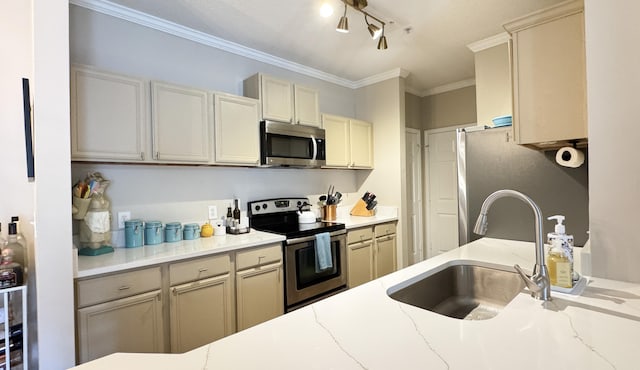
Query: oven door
x=302, y=281
x=283, y=144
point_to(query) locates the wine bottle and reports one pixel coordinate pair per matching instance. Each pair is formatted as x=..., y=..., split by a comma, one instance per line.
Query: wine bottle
x=236, y=211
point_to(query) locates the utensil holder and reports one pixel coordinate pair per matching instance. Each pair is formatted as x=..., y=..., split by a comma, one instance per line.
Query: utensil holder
x=360, y=209
x=329, y=212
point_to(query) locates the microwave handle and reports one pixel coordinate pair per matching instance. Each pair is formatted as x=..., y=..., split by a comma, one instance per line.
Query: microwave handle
x=315, y=147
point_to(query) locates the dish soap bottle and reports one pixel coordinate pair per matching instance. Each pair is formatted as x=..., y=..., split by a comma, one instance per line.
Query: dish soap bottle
x=560, y=258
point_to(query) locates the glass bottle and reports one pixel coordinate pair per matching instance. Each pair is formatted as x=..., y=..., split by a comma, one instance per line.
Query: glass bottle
x=236, y=211
x=14, y=260
x=229, y=220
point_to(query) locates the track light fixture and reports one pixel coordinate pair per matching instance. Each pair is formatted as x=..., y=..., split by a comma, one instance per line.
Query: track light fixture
x=376, y=32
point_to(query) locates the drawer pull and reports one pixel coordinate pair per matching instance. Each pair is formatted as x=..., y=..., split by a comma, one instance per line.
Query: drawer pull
x=203, y=270
x=124, y=287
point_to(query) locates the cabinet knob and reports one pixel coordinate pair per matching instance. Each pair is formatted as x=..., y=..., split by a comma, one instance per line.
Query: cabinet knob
x=142, y=156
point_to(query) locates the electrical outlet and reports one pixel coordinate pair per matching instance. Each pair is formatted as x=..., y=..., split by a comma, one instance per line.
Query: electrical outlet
x=213, y=212
x=122, y=217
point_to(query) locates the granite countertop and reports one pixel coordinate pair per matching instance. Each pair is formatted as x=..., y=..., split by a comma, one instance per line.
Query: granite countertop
x=363, y=328
x=128, y=258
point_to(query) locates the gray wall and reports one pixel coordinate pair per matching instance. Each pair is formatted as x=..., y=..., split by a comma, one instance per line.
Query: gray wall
x=413, y=111
x=450, y=108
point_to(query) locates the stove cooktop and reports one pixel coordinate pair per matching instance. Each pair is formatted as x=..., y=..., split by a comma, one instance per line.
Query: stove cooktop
x=280, y=216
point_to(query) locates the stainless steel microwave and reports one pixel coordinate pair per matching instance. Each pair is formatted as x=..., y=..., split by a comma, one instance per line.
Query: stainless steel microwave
x=288, y=145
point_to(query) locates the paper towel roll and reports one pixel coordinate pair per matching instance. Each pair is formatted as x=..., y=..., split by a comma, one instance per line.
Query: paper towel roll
x=570, y=157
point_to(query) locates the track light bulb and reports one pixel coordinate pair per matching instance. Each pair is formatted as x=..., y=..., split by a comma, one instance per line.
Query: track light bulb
x=374, y=30
x=343, y=25
x=382, y=43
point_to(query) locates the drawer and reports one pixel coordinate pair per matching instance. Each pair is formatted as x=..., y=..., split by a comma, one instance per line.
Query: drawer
x=358, y=235
x=385, y=229
x=200, y=268
x=258, y=256
x=111, y=287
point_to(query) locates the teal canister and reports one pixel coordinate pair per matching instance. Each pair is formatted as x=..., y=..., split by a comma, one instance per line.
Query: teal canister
x=152, y=232
x=172, y=232
x=133, y=233
x=191, y=231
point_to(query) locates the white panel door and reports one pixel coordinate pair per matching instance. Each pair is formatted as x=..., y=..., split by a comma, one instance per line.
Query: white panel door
x=414, y=235
x=361, y=139
x=442, y=235
x=277, y=99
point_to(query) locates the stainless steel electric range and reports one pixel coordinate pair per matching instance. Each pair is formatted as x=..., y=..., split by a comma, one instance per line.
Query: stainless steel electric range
x=304, y=284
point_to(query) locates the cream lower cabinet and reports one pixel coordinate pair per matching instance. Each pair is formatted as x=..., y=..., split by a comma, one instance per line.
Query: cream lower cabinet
x=108, y=116
x=201, y=311
x=385, y=260
x=114, y=316
x=259, y=285
x=237, y=130
x=349, y=142
x=359, y=256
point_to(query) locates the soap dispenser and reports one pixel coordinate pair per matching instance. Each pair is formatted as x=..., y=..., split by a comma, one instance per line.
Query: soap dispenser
x=560, y=258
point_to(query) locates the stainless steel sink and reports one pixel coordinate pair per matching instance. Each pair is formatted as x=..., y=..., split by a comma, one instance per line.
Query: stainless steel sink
x=462, y=291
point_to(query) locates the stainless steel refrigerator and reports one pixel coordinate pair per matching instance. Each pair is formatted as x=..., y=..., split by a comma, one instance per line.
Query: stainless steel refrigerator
x=488, y=160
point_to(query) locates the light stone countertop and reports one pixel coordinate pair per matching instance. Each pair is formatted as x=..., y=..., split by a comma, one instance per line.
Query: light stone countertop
x=129, y=258
x=363, y=328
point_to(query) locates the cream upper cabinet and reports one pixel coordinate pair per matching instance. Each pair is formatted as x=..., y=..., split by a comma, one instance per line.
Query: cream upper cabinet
x=349, y=142
x=385, y=254
x=281, y=100
x=336, y=140
x=307, y=106
x=549, y=78
x=109, y=114
x=361, y=137
x=259, y=285
x=180, y=123
x=359, y=256
x=237, y=131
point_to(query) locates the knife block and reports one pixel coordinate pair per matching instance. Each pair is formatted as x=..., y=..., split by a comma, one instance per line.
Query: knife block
x=360, y=209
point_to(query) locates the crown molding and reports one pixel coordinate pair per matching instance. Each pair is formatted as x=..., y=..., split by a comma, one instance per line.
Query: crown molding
x=146, y=20
x=413, y=91
x=489, y=42
x=394, y=73
x=450, y=87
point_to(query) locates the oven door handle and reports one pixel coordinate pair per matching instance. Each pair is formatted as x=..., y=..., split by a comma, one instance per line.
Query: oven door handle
x=313, y=238
x=315, y=147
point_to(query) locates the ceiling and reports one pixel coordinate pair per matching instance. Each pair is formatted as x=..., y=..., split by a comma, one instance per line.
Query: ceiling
x=427, y=38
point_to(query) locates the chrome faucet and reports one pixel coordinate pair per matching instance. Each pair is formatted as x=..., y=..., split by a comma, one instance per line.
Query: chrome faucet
x=538, y=283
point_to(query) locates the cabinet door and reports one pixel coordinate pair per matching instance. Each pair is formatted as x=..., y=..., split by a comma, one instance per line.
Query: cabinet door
x=550, y=81
x=337, y=140
x=277, y=99
x=237, y=130
x=361, y=135
x=259, y=295
x=385, y=255
x=180, y=122
x=307, y=106
x=360, y=263
x=131, y=324
x=108, y=116
x=200, y=312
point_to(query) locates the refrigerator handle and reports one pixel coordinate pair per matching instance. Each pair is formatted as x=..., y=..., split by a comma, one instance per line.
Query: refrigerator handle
x=463, y=208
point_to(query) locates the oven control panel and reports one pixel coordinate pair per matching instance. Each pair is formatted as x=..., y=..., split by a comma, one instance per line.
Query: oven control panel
x=280, y=205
